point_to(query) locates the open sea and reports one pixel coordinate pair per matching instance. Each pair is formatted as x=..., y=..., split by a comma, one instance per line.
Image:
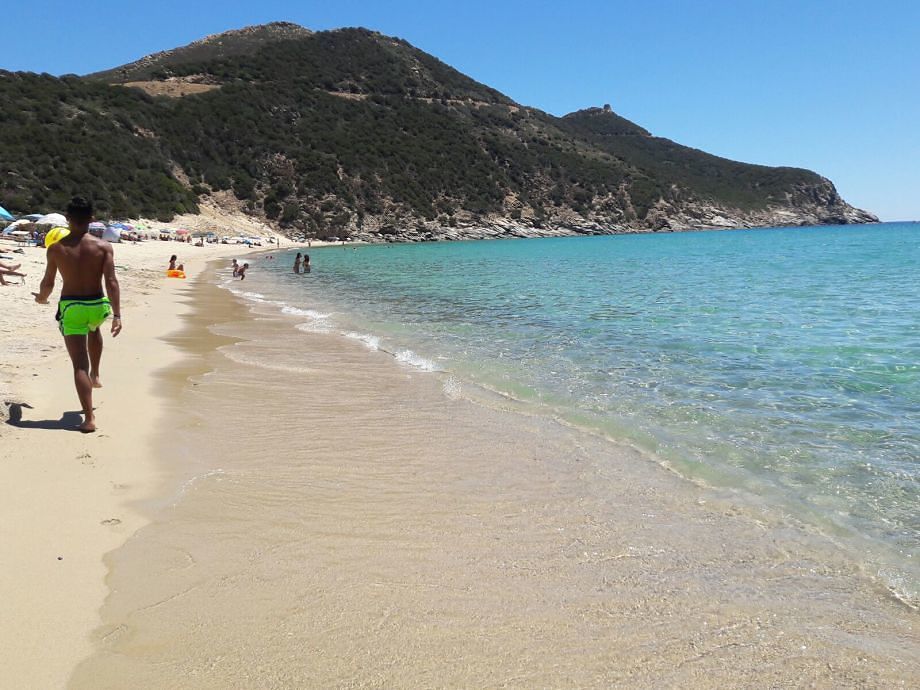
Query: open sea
x=781, y=366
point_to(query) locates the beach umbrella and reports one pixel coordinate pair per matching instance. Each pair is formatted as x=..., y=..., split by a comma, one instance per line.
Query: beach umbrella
x=52, y=219
x=96, y=225
x=18, y=225
x=5, y=215
x=33, y=216
x=182, y=231
x=111, y=234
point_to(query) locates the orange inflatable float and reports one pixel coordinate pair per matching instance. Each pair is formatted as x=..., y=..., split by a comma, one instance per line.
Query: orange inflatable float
x=173, y=273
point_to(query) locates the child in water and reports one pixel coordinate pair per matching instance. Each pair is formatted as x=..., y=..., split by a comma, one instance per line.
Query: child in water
x=242, y=271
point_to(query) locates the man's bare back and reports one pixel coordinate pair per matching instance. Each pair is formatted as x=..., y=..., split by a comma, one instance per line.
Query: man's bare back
x=81, y=261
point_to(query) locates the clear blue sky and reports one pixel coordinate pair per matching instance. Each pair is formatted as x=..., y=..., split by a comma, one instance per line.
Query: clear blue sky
x=830, y=85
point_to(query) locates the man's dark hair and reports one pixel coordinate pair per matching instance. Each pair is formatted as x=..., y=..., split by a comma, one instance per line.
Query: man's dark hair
x=80, y=209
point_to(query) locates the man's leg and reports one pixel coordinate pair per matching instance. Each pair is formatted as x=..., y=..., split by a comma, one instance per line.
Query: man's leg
x=76, y=348
x=95, y=354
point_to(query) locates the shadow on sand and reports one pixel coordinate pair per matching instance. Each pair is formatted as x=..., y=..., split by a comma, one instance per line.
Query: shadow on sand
x=69, y=421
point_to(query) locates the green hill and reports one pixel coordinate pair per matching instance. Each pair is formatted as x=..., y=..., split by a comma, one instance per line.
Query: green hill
x=60, y=137
x=245, y=41
x=352, y=132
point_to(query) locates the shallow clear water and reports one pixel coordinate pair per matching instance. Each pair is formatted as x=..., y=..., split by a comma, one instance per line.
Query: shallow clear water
x=784, y=363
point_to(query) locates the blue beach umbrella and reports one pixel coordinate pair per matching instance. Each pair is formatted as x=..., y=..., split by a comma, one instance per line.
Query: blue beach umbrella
x=5, y=215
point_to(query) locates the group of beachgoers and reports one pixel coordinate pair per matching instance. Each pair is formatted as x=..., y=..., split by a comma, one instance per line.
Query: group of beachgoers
x=91, y=295
x=302, y=263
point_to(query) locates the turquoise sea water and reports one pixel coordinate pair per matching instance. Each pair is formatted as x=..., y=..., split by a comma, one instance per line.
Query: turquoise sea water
x=781, y=363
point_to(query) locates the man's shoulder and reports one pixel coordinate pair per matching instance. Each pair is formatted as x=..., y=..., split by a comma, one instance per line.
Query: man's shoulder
x=96, y=243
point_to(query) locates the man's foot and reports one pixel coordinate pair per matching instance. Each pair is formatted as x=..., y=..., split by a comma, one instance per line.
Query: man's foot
x=97, y=382
x=88, y=427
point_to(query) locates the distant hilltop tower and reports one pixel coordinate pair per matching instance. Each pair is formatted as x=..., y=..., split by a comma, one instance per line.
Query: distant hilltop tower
x=607, y=108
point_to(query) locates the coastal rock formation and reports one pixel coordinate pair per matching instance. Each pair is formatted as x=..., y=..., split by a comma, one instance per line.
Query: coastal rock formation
x=350, y=133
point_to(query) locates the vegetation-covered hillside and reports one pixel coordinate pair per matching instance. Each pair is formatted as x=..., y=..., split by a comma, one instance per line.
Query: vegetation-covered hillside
x=59, y=137
x=349, y=131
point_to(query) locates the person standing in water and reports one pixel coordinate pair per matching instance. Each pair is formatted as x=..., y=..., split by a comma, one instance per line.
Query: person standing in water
x=297, y=261
x=306, y=263
x=85, y=262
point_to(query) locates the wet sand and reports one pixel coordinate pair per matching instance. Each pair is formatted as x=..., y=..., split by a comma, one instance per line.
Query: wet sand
x=335, y=518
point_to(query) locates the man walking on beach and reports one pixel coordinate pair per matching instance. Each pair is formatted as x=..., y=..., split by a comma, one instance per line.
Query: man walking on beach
x=84, y=261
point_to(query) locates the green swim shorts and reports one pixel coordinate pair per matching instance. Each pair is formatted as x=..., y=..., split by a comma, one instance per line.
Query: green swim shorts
x=80, y=315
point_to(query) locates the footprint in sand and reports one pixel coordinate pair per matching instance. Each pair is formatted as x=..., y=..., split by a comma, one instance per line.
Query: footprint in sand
x=86, y=459
x=111, y=522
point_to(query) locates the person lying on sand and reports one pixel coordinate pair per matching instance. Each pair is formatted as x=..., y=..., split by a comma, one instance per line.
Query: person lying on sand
x=9, y=270
x=84, y=262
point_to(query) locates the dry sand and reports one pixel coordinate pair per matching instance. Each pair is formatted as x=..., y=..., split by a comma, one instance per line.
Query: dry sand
x=67, y=496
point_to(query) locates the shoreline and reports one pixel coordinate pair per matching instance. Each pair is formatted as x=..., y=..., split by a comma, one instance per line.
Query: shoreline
x=746, y=591
x=75, y=497
x=883, y=554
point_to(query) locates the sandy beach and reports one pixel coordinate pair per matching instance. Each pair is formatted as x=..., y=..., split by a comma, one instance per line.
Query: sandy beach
x=327, y=537
x=69, y=495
